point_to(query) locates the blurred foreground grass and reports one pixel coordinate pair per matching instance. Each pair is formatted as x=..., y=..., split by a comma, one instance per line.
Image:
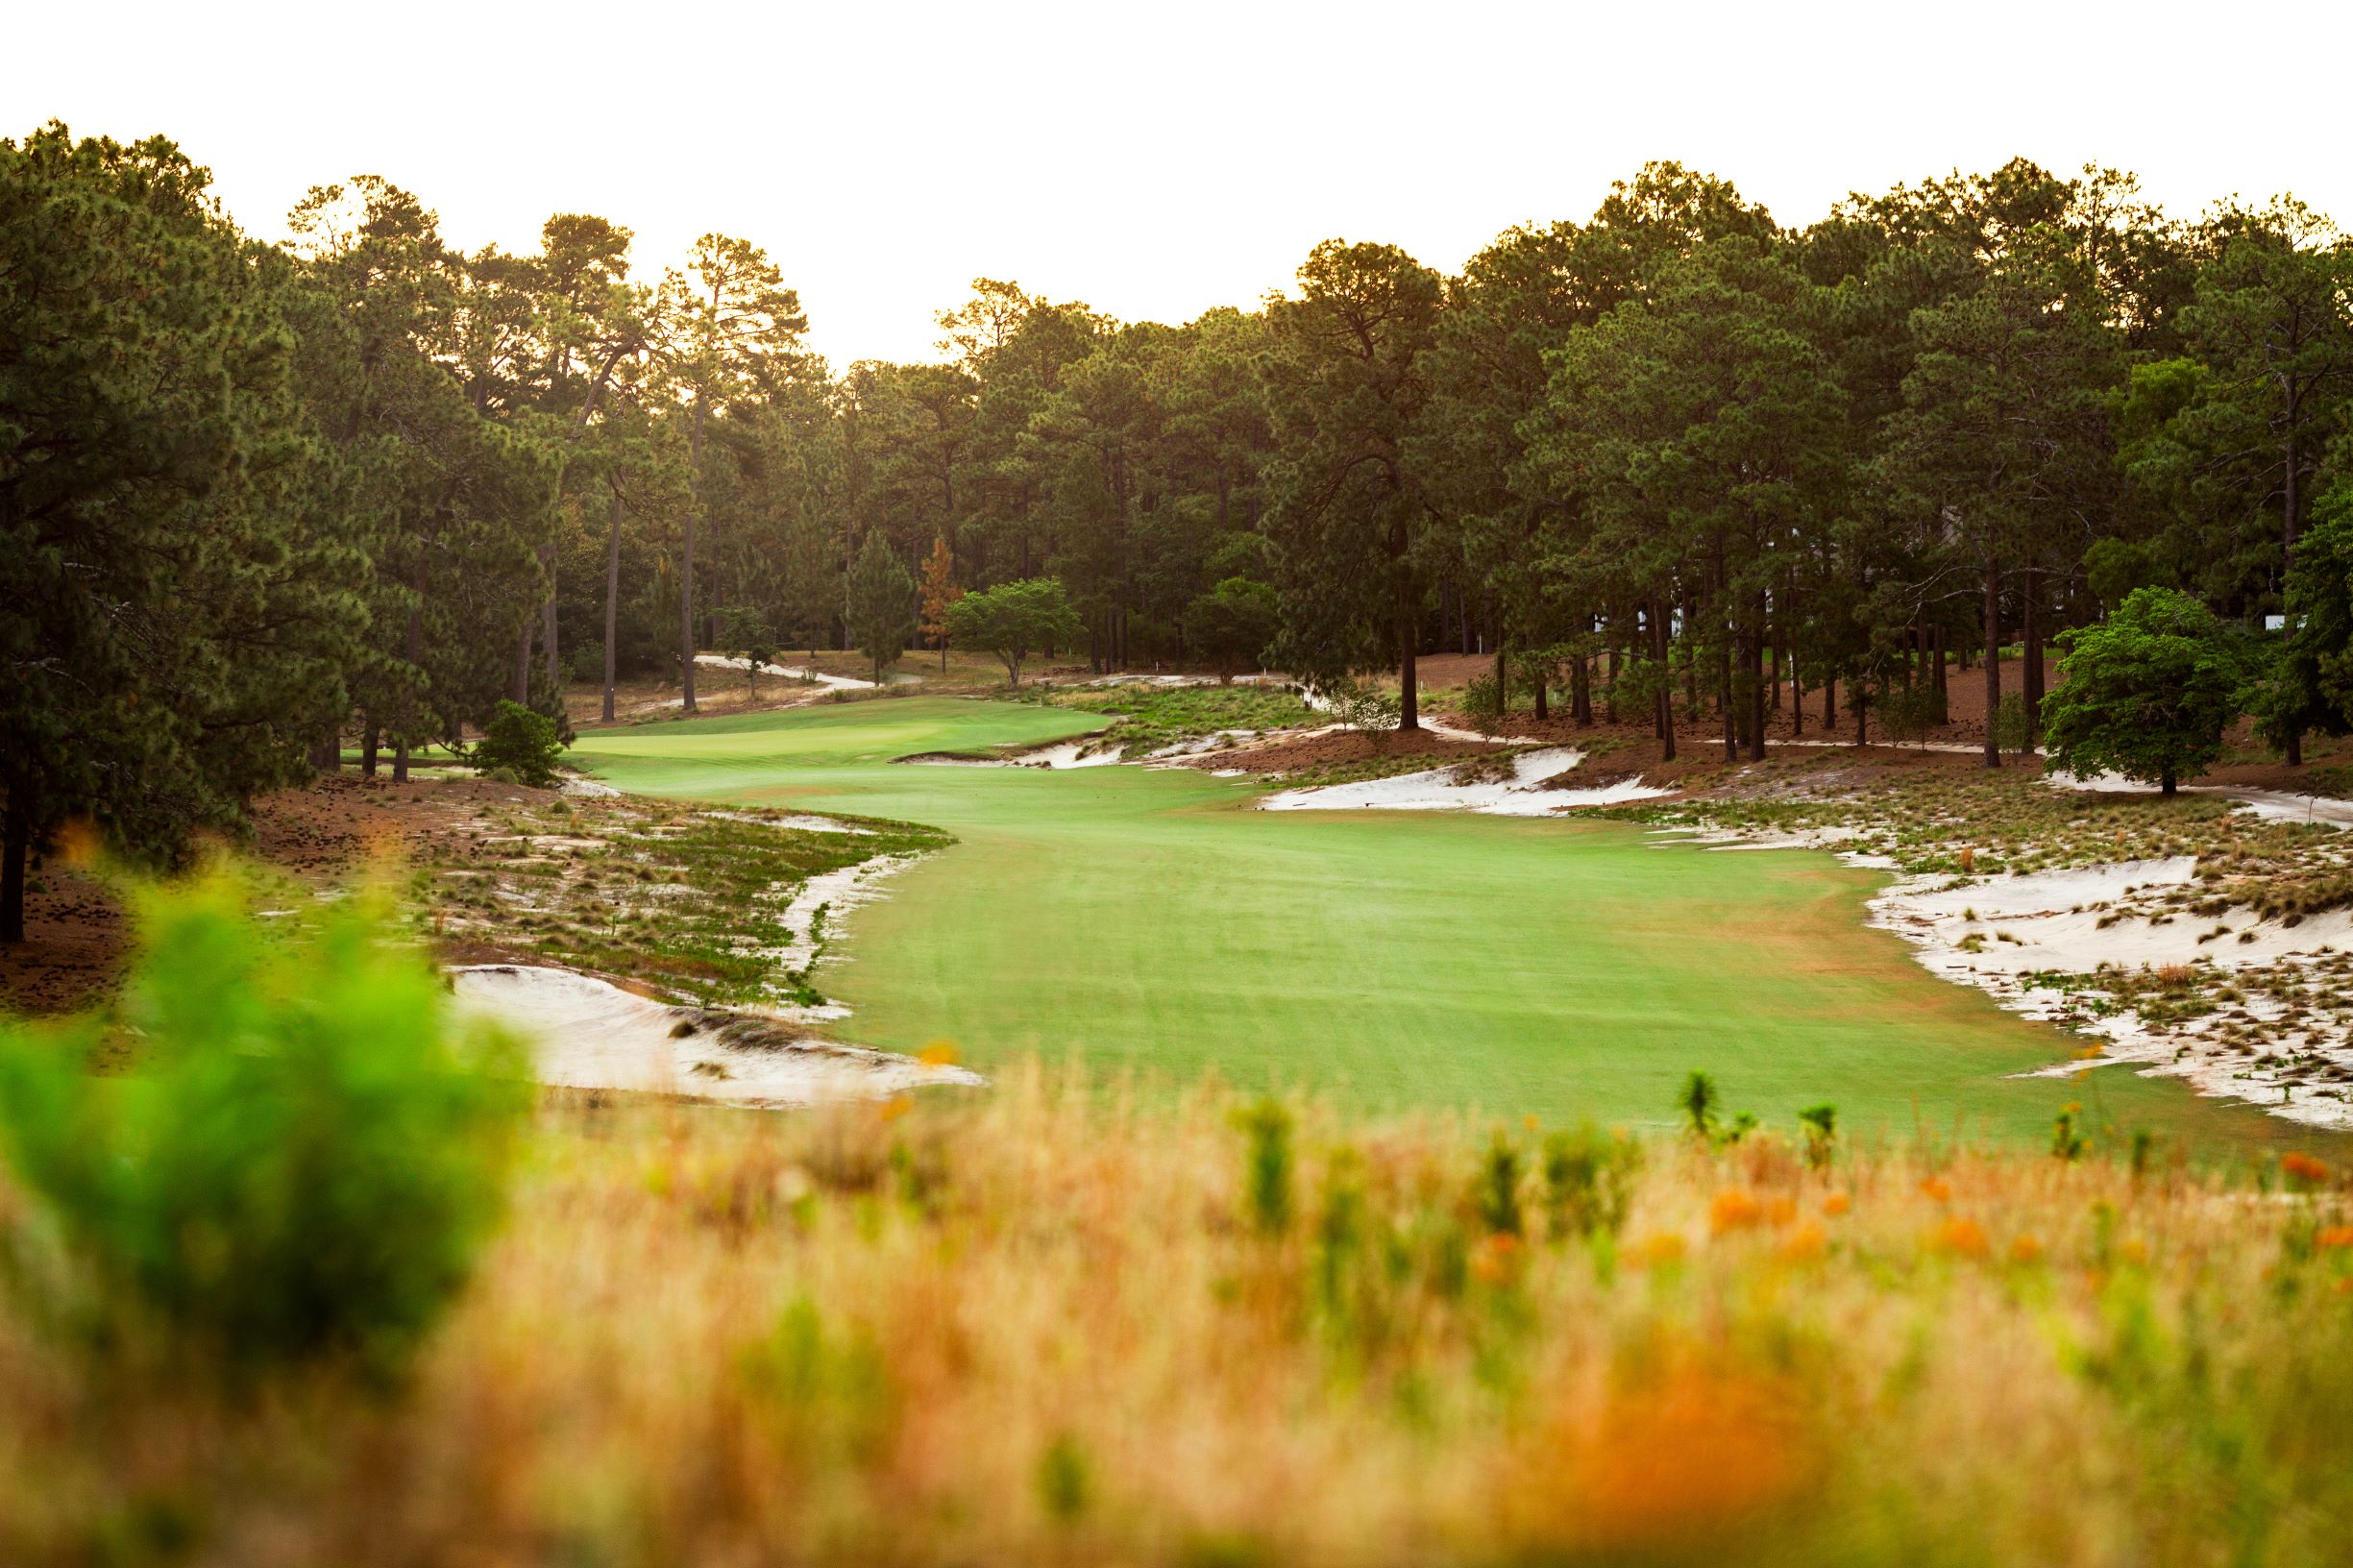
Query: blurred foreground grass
x=1037, y=1327
x=1053, y=1322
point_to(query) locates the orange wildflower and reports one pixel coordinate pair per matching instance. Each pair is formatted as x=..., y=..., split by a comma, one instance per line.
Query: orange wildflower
x=1836, y=1204
x=1961, y=1238
x=1937, y=1189
x=938, y=1053
x=1492, y=1258
x=1734, y=1209
x=2025, y=1250
x=2304, y=1167
x=2336, y=1236
x=1806, y=1243
x=1781, y=1210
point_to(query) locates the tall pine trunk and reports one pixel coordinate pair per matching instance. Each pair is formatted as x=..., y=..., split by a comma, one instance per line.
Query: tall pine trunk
x=16, y=848
x=1409, y=634
x=1664, y=698
x=2030, y=670
x=612, y=599
x=1993, y=659
x=547, y=625
x=686, y=566
x=1757, y=681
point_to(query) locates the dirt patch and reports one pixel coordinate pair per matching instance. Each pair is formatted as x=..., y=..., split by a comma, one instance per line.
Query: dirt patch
x=75, y=939
x=667, y=897
x=1330, y=748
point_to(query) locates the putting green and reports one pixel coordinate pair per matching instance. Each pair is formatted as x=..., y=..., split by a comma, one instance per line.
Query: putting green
x=1147, y=919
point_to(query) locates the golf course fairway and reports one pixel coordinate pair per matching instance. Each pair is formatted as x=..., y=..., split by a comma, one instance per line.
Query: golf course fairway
x=1149, y=919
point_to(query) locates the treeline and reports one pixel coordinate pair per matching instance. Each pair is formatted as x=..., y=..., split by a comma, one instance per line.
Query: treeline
x=1677, y=464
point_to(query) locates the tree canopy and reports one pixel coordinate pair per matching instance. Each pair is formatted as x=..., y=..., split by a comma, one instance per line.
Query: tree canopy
x=2147, y=693
x=1679, y=463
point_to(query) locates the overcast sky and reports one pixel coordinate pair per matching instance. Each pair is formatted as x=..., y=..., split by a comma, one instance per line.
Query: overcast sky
x=1158, y=160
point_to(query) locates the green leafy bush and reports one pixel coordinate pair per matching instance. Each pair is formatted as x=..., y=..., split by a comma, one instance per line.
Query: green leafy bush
x=2013, y=731
x=1367, y=709
x=521, y=740
x=584, y=661
x=2147, y=693
x=305, y=1159
x=1907, y=712
x=1482, y=704
x=1230, y=625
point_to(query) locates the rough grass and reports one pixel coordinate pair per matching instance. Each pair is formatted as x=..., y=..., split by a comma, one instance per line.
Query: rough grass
x=1147, y=718
x=1358, y=769
x=1054, y=1325
x=688, y=900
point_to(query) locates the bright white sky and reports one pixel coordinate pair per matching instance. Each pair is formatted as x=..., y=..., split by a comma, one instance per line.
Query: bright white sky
x=1158, y=160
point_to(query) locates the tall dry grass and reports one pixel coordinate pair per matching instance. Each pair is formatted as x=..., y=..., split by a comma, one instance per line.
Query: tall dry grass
x=1049, y=1325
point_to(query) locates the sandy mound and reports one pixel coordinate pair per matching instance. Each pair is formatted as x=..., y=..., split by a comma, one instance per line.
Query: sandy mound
x=1533, y=788
x=587, y=1033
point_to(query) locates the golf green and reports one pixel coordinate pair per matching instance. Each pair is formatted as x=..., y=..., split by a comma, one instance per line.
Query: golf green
x=1150, y=919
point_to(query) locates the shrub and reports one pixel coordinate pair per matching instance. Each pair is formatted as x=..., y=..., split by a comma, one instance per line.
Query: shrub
x=1367, y=709
x=1231, y=624
x=1267, y=1164
x=1499, y=1189
x=521, y=740
x=1698, y=1103
x=1821, y=1124
x=1482, y=704
x=584, y=661
x=1910, y=713
x=1589, y=1181
x=2013, y=730
x=306, y=1159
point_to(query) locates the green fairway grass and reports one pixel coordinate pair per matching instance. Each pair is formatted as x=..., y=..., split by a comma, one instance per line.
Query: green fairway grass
x=1147, y=919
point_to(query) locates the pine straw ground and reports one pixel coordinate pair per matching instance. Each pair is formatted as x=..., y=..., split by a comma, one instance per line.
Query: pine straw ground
x=1049, y=1325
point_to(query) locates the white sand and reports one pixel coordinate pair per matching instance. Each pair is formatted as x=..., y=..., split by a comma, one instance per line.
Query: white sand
x=2278, y=805
x=847, y=683
x=589, y=1034
x=802, y=821
x=595, y=789
x=1525, y=794
x=1063, y=754
x=2051, y=920
x=836, y=894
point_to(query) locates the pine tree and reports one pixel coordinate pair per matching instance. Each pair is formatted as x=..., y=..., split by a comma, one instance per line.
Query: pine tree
x=174, y=620
x=882, y=615
x=939, y=592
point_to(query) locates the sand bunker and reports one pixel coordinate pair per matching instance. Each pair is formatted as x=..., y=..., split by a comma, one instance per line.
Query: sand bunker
x=801, y=821
x=815, y=911
x=1531, y=789
x=1998, y=933
x=845, y=683
x=2036, y=942
x=587, y=1033
x=1061, y=754
x=2278, y=805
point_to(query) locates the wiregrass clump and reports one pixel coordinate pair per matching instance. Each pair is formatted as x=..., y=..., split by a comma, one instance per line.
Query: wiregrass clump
x=1065, y=1323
